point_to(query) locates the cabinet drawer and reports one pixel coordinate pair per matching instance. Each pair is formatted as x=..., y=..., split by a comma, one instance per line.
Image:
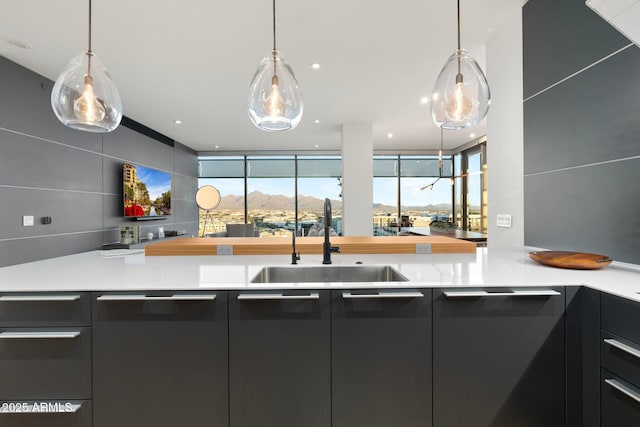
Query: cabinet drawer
x=620, y=356
x=621, y=317
x=45, y=363
x=381, y=358
x=45, y=309
x=620, y=401
x=279, y=359
x=503, y=351
x=154, y=306
x=160, y=359
x=45, y=413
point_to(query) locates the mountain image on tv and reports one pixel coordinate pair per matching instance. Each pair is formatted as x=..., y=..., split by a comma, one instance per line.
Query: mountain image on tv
x=147, y=192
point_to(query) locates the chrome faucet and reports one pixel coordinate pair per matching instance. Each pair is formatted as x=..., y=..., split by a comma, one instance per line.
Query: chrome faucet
x=328, y=222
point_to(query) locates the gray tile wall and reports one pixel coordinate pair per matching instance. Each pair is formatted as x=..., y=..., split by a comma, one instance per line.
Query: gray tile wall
x=74, y=177
x=581, y=132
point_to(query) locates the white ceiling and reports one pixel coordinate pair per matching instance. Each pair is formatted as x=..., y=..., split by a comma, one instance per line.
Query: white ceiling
x=194, y=60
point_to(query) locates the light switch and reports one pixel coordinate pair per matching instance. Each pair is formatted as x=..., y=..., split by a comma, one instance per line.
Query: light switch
x=504, y=220
x=27, y=221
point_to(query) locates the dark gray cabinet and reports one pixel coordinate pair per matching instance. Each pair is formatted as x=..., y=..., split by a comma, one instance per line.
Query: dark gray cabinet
x=620, y=362
x=160, y=359
x=279, y=359
x=381, y=358
x=499, y=358
x=45, y=359
x=45, y=345
x=620, y=402
x=582, y=321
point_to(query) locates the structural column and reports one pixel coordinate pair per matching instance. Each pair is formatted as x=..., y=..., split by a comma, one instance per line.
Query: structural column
x=505, y=144
x=357, y=179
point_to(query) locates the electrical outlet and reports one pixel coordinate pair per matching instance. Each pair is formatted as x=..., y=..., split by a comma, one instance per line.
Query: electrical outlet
x=423, y=248
x=27, y=221
x=224, y=250
x=504, y=221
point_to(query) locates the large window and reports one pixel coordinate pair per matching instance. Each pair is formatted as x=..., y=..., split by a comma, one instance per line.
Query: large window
x=385, y=195
x=271, y=195
x=410, y=191
x=261, y=190
x=319, y=178
x=227, y=175
x=471, y=189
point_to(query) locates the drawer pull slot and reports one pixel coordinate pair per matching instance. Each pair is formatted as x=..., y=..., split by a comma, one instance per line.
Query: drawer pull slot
x=260, y=297
x=38, y=298
x=377, y=295
x=142, y=297
x=39, y=335
x=624, y=347
x=623, y=389
x=517, y=293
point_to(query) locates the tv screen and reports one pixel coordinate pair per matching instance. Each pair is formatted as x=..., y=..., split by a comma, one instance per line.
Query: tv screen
x=147, y=192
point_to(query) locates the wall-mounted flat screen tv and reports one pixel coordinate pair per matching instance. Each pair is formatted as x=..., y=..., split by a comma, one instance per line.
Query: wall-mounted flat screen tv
x=147, y=192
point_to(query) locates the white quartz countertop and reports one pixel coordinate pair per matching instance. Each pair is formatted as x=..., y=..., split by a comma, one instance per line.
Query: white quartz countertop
x=133, y=271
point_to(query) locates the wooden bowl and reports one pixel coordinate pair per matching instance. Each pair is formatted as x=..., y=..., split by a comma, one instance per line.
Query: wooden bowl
x=572, y=260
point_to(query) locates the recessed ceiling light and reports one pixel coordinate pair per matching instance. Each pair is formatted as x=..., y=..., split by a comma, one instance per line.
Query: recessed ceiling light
x=216, y=147
x=316, y=146
x=473, y=135
x=424, y=100
x=315, y=65
x=19, y=43
x=316, y=121
x=177, y=122
x=389, y=135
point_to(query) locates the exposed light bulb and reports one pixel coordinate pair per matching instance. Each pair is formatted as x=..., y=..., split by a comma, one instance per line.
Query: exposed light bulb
x=87, y=107
x=459, y=105
x=274, y=106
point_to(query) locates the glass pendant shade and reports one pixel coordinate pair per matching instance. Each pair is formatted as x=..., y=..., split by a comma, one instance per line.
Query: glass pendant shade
x=275, y=100
x=85, y=98
x=461, y=95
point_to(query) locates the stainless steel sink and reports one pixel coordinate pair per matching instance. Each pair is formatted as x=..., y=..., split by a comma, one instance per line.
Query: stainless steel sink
x=330, y=273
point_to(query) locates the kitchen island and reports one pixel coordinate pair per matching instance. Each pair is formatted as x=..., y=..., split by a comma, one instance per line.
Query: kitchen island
x=132, y=270
x=119, y=337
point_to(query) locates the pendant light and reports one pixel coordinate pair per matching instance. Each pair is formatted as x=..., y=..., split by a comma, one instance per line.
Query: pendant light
x=275, y=99
x=84, y=97
x=461, y=95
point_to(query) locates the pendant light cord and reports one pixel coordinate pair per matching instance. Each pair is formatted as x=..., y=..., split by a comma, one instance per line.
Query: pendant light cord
x=90, y=26
x=458, y=24
x=275, y=49
x=274, y=25
x=90, y=52
x=458, y=52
